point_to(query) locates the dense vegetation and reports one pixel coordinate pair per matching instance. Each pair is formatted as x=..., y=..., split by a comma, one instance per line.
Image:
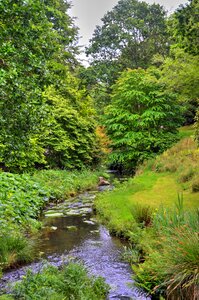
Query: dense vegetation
x=58, y=117
x=46, y=118
x=72, y=282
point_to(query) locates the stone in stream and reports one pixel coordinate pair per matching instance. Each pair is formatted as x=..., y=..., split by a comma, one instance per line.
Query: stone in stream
x=71, y=228
x=51, y=214
x=89, y=222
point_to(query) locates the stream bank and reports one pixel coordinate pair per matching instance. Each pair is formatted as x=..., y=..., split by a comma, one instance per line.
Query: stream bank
x=71, y=232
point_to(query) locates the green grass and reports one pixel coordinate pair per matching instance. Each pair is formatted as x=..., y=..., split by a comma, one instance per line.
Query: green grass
x=186, y=131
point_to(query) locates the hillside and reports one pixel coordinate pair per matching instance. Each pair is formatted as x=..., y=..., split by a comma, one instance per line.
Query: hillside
x=157, y=211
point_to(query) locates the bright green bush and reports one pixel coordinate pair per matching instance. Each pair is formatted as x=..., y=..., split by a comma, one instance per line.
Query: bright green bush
x=72, y=282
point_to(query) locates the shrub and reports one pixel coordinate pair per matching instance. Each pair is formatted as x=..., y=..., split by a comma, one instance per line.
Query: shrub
x=72, y=282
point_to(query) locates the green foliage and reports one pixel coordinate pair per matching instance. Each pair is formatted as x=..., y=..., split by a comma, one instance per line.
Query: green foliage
x=141, y=214
x=46, y=118
x=131, y=33
x=142, y=119
x=171, y=264
x=21, y=199
x=184, y=25
x=71, y=140
x=179, y=72
x=62, y=184
x=27, y=41
x=72, y=282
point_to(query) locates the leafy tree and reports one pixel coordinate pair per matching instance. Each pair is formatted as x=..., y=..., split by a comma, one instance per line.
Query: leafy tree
x=27, y=41
x=45, y=116
x=142, y=119
x=129, y=37
x=71, y=141
x=184, y=27
x=180, y=73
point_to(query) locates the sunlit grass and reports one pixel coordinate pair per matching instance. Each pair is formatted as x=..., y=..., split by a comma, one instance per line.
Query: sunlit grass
x=186, y=131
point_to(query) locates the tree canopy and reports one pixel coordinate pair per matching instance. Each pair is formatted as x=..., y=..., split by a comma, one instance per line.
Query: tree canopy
x=142, y=118
x=38, y=47
x=131, y=33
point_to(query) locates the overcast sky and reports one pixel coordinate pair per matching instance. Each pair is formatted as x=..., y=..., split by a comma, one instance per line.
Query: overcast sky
x=90, y=12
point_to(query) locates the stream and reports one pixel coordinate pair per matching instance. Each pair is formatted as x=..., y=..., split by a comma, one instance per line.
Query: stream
x=71, y=232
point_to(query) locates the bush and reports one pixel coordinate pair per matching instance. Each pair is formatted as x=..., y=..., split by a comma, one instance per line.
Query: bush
x=21, y=198
x=72, y=282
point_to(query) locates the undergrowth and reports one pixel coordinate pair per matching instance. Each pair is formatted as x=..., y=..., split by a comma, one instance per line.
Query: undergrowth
x=72, y=282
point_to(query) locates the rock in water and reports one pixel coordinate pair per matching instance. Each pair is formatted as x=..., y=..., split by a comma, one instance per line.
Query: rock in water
x=102, y=181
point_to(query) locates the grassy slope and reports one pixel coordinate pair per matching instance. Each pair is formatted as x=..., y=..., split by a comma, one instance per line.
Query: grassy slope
x=157, y=182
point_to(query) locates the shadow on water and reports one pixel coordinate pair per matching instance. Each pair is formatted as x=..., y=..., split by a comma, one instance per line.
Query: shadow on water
x=71, y=232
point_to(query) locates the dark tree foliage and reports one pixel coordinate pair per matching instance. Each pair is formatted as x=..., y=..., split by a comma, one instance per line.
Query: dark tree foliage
x=129, y=37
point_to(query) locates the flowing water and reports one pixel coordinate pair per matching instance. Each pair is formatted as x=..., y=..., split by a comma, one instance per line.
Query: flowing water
x=71, y=233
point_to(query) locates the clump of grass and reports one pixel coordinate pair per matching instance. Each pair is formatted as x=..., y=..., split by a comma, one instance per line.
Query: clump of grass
x=14, y=249
x=142, y=214
x=171, y=265
x=195, y=185
x=186, y=175
x=72, y=282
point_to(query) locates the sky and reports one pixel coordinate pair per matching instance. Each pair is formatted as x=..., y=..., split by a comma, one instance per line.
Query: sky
x=88, y=14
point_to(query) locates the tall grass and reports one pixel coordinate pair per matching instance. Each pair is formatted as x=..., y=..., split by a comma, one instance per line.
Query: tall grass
x=171, y=266
x=15, y=249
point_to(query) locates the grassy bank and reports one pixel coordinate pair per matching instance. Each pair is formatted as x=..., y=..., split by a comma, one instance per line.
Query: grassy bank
x=157, y=211
x=22, y=199
x=72, y=282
